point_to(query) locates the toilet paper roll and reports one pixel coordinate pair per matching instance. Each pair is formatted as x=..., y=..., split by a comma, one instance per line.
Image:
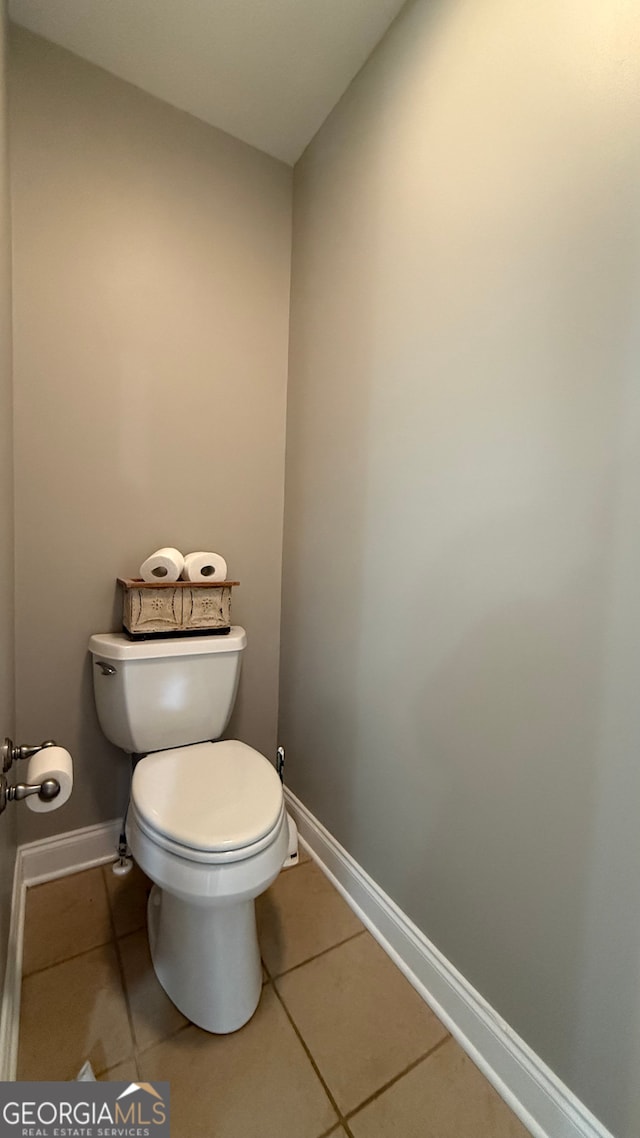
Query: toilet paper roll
x=164, y=565
x=50, y=762
x=209, y=567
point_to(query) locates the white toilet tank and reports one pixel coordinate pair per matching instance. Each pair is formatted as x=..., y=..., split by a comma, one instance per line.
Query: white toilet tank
x=154, y=694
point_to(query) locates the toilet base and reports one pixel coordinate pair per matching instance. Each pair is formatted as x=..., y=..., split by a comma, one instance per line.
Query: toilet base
x=206, y=958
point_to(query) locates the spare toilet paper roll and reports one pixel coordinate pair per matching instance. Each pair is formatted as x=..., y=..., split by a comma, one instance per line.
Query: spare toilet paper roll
x=163, y=565
x=209, y=567
x=50, y=762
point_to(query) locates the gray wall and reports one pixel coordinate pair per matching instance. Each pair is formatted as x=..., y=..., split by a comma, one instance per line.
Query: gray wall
x=151, y=292
x=8, y=820
x=461, y=599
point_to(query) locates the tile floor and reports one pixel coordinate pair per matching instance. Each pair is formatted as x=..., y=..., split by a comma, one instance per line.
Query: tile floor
x=340, y=1045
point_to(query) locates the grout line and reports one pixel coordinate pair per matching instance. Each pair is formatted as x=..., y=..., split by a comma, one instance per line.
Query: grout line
x=294, y=1025
x=123, y=981
x=401, y=1075
x=67, y=959
x=114, y=942
x=323, y=952
x=74, y=955
x=131, y=932
x=137, y=1051
x=99, y=1072
x=164, y=1039
x=332, y=1130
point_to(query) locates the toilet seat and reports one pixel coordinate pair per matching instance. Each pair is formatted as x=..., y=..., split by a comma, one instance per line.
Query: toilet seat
x=208, y=802
x=208, y=857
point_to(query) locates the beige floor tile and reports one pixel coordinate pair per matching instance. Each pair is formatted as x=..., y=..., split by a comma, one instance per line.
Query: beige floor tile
x=73, y=1012
x=154, y=1016
x=65, y=917
x=256, y=1083
x=361, y=1020
x=445, y=1096
x=299, y=916
x=126, y=1072
x=128, y=899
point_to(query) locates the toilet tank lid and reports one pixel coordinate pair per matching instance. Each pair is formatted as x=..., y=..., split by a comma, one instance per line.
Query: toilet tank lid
x=118, y=646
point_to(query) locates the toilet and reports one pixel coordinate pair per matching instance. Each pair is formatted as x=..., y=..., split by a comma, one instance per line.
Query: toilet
x=206, y=820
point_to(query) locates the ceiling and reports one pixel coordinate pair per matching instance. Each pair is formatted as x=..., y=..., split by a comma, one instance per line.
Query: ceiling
x=267, y=71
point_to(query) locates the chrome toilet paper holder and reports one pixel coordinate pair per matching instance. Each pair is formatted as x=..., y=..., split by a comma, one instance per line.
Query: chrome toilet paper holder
x=11, y=754
x=47, y=790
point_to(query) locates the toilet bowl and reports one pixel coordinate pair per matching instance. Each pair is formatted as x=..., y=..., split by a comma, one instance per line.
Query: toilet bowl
x=207, y=825
x=206, y=820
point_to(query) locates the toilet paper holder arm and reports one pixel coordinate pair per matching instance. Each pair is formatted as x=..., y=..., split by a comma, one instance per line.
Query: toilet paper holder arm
x=47, y=790
x=12, y=754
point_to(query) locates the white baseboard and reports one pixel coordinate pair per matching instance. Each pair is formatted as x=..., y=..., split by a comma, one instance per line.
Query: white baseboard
x=69, y=853
x=541, y=1101
x=37, y=862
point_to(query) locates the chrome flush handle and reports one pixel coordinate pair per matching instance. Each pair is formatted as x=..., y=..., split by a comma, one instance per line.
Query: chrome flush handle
x=107, y=669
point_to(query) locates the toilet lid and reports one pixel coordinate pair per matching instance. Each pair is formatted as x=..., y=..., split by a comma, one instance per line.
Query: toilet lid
x=209, y=796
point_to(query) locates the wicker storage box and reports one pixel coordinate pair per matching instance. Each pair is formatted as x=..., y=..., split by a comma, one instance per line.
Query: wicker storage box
x=154, y=609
